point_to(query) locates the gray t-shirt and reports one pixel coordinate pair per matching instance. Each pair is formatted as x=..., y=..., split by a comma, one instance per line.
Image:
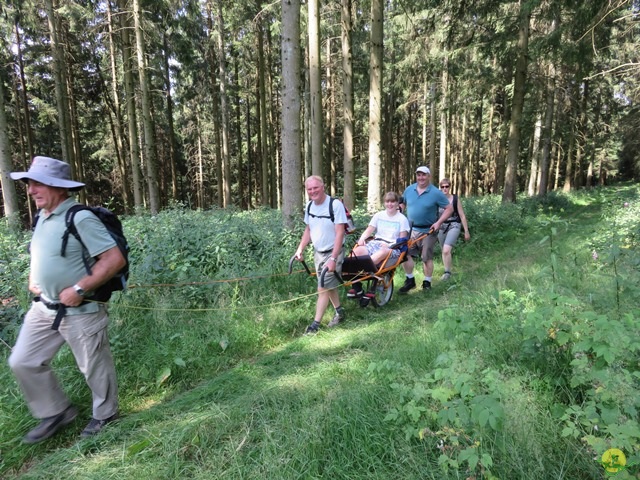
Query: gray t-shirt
x=53, y=272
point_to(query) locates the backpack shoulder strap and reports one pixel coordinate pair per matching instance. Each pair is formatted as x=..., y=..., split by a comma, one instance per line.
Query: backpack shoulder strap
x=331, y=215
x=36, y=217
x=71, y=229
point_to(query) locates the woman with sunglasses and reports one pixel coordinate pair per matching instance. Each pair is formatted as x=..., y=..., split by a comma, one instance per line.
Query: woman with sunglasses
x=450, y=229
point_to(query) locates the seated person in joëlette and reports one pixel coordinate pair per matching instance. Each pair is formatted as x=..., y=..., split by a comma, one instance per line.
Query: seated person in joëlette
x=388, y=225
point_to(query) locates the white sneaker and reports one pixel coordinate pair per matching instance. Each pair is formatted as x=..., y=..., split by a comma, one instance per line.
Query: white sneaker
x=446, y=276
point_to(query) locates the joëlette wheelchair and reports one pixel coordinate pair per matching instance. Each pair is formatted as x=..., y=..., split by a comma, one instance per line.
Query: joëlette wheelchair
x=376, y=280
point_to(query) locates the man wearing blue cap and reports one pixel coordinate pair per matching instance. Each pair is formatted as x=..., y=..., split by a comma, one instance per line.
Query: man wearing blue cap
x=422, y=200
x=59, y=313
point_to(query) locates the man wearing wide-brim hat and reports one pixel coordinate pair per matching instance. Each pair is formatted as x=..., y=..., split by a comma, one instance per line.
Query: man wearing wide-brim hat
x=60, y=313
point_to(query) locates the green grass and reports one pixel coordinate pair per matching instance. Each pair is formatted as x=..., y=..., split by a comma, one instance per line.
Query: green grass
x=504, y=372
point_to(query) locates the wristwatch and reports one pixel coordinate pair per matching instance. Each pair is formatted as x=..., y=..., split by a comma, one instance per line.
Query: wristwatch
x=333, y=259
x=79, y=290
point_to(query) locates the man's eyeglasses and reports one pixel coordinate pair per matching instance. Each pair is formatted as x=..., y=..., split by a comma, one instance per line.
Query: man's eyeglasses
x=445, y=186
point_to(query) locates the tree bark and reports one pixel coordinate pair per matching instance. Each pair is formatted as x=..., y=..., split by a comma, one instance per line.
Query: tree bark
x=170, y=124
x=147, y=121
x=23, y=97
x=510, y=181
x=224, y=110
x=114, y=102
x=347, y=108
x=60, y=81
x=9, y=194
x=315, y=87
x=290, y=51
x=545, y=159
x=440, y=171
x=130, y=102
x=262, y=100
x=535, y=151
x=375, y=106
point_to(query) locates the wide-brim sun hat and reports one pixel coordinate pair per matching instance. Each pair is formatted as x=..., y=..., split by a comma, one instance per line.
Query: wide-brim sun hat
x=50, y=172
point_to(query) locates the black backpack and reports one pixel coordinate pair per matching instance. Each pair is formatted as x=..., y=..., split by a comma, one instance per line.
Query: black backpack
x=113, y=225
x=349, y=227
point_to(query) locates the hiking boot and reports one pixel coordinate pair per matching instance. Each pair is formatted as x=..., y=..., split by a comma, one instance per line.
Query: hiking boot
x=313, y=328
x=409, y=284
x=426, y=285
x=95, y=426
x=51, y=425
x=356, y=291
x=446, y=276
x=338, y=317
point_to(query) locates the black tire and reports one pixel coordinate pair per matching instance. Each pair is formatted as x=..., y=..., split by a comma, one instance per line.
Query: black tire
x=384, y=290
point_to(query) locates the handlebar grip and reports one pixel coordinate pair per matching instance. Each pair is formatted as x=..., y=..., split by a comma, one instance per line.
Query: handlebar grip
x=324, y=272
x=301, y=261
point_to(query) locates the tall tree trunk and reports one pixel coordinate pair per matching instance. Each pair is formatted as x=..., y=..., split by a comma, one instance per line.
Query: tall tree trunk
x=272, y=129
x=441, y=170
x=9, y=194
x=434, y=132
x=130, y=102
x=425, y=121
x=147, y=121
x=315, y=87
x=224, y=110
x=519, y=85
x=23, y=84
x=290, y=51
x=568, y=172
x=347, y=98
x=535, y=151
x=60, y=81
x=375, y=105
x=475, y=190
x=331, y=121
x=171, y=130
x=114, y=102
x=242, y=190
x=545, y=160
x=262, y=105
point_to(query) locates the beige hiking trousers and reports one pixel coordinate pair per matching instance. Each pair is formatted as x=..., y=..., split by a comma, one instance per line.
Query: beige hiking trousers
x=37, y=344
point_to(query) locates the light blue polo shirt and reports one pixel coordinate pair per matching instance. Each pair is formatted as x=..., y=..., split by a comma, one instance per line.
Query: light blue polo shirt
x=53, y=272
x=422, y=209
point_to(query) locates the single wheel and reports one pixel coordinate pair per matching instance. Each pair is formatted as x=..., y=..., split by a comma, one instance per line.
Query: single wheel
x=383, y=290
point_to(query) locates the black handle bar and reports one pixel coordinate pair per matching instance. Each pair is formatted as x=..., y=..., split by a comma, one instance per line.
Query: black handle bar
x=324, y=272
x=301, y=261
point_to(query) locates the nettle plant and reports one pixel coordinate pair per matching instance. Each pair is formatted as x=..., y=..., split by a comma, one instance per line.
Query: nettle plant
x=455, y=407
x=599, y=347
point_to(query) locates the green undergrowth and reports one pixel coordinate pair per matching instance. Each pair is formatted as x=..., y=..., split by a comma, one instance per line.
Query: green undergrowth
x=524, y=365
